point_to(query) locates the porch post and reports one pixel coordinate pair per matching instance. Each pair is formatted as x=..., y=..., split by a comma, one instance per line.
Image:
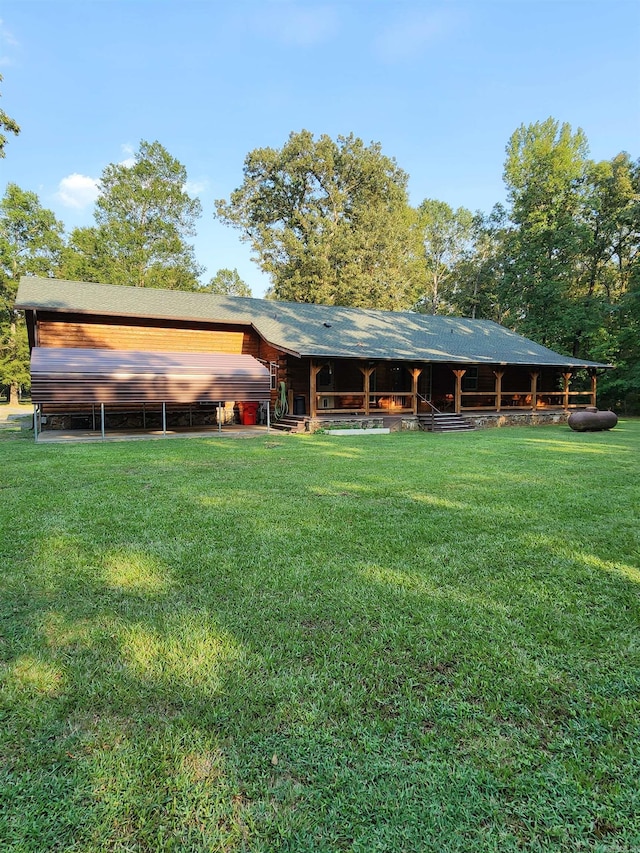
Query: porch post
x=367, y=388
x=415, y=373
x=458, y=394
x=594, y=383
x=567, y=380
x=366, y=373
x=313, y=401
x=534, y=389
x=498, y=374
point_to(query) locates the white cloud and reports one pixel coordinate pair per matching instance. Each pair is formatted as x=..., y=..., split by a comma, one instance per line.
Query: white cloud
x=6, y=35
x=7, y=40
x=195, y=187
x=78, y=191
x=413, y=33
x=129, y=151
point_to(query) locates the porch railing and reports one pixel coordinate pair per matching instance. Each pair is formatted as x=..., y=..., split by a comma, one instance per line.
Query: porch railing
x=391, y=402
x=479, y=400
x=397, y=403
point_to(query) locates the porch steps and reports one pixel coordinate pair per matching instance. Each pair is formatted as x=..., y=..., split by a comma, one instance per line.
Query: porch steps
x=289, y=423
x=445, y=422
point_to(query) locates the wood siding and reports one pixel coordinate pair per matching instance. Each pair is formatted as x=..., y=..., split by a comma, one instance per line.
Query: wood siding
x=153, y=337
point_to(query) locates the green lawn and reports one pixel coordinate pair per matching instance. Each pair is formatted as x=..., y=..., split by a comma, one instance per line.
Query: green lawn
x=410, y=642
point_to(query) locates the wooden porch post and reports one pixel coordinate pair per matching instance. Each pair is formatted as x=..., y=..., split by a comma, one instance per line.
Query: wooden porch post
x=458, y=395
x=594, y=384
x=366, y=372
x=315, y=369
x=567, y=381
x=498, y=374
x=415, y=373
x=534, y=388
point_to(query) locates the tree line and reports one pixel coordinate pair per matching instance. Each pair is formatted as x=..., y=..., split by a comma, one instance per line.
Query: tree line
x=330, y=221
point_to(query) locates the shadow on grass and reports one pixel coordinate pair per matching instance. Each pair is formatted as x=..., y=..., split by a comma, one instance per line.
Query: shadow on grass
x=334, y=657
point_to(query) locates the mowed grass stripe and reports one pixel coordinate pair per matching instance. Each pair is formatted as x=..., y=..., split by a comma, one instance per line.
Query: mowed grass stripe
x=410, y=642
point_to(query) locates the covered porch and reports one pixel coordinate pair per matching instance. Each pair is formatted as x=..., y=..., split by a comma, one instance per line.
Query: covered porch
x=320, y=387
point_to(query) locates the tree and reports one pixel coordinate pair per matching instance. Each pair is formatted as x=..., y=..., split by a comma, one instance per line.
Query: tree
x=571, y=271
x=446, y=235
x=8, y=124
x=480, y=271
x=329, y=221
x=143, y=219
x=228, y=283
x=545, y=172
x=30, y=244
x=612, y=227
x=613, y=274
x=86, y=257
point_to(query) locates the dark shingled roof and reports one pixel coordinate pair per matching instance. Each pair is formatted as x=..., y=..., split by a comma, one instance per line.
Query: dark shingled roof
x=304, y=329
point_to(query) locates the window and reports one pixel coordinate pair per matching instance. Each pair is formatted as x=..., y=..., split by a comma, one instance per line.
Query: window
x=273, y=370
x=325, y=377
x=470, y=379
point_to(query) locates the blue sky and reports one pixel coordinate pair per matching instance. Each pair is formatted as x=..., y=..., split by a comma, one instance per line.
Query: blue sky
x=441, y=85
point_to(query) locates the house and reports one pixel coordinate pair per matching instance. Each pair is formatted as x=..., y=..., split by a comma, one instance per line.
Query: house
x=196, y=358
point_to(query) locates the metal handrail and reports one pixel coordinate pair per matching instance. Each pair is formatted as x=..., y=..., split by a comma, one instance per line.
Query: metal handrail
x=434, y=410
x=429, y=403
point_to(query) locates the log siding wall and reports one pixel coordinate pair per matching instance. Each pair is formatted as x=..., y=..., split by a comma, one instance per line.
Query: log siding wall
x=162, y=339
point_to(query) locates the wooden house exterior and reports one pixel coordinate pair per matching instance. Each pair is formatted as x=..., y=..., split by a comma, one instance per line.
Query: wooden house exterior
x=127, y=347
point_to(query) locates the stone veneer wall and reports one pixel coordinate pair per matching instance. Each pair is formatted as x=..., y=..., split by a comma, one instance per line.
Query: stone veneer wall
x=199, y=417
x=134, y=419
x=344, y=423
x=501, y=419
x=480, y=420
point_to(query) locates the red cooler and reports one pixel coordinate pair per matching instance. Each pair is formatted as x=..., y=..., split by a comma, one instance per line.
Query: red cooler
x=249, y=413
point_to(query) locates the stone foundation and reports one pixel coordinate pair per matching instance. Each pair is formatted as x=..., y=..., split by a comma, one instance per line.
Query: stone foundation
x=136, y=419
x=480, y=420
x=410, y=423
x=344, y=423
x=502, y=419
x=207, y=417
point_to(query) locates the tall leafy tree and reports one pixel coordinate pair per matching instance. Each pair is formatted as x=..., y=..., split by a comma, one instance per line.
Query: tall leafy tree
x=6, y=124
x=613, y=275
x=446, y=235
x=144, y=217
x=545, y=172
x=86, y=256
x=609, y=238
x=228, y=283
x=480, y=271
x=30, y=244
x=329, y=221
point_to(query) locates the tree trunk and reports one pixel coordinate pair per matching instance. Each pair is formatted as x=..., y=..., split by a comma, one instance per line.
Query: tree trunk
x=14, y=388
